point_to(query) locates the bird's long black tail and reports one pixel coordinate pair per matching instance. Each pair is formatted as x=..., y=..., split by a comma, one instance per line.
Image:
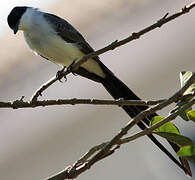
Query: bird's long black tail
x=118, y=89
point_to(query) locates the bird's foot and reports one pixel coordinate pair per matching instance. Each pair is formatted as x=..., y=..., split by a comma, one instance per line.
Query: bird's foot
x=59, y=74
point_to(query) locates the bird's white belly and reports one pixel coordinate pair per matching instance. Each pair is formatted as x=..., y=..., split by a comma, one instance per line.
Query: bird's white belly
x=60, y=52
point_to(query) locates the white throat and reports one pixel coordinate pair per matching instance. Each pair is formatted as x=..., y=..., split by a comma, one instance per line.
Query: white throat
x=27, y=20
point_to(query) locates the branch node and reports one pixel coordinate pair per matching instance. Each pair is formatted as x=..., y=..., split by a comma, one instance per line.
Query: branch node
x=21, y=99
x=135, y=35
x=119, y=100
x=161, y=21
x=185, y=9
x=113, y=44
x=14, y=104
x=165, y=16
x=123, y=131
x=74, y=100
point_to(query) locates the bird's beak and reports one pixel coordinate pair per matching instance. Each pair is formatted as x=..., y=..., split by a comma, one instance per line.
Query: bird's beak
x=15, y=29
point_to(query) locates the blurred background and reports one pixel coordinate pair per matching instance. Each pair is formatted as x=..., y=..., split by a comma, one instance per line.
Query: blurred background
x=36, y=143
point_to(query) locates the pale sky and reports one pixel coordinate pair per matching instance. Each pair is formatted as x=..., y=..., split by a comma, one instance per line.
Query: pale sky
x=9, y=4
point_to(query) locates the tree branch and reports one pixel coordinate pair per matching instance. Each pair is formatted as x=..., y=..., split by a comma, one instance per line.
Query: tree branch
x=106, y=148
x=157, y=125
x=120, y=102
x=114, y=45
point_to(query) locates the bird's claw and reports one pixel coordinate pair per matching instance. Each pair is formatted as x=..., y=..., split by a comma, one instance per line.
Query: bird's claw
x=59, y=75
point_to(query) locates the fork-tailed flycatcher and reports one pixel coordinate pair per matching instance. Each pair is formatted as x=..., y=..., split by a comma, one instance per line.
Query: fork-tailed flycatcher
x=56, y=40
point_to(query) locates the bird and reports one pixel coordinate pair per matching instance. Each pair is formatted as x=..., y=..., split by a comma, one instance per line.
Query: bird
x=56, y=40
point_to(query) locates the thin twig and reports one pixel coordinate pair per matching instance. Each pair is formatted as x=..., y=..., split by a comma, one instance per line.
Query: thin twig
x=137, y=135
x=25, y=104
x=157, y=125
x=147, y=131
x=114, y=45
x=73, y=171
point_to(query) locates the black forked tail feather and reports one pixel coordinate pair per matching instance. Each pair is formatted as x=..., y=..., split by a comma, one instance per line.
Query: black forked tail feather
x=117, y=89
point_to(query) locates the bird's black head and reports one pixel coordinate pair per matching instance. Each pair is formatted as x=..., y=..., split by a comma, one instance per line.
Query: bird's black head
x=13, y=18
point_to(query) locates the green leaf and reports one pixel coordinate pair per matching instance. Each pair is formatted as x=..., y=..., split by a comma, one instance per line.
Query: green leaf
x=176, y=138
x=184, y=77
x=167, y=127
x=191, y=115
x=187, y=152
x=170, y=132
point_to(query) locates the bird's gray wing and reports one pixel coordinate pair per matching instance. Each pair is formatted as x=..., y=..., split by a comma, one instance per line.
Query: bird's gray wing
x=67, y=32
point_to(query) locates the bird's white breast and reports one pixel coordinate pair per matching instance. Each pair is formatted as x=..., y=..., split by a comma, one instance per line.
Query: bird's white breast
x=43, y=40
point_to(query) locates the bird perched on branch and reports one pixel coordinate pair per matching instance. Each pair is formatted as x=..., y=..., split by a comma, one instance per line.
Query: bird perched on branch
x=54, y=39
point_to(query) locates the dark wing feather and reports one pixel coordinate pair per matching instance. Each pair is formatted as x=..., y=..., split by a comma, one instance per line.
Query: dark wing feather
x=67, y=32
